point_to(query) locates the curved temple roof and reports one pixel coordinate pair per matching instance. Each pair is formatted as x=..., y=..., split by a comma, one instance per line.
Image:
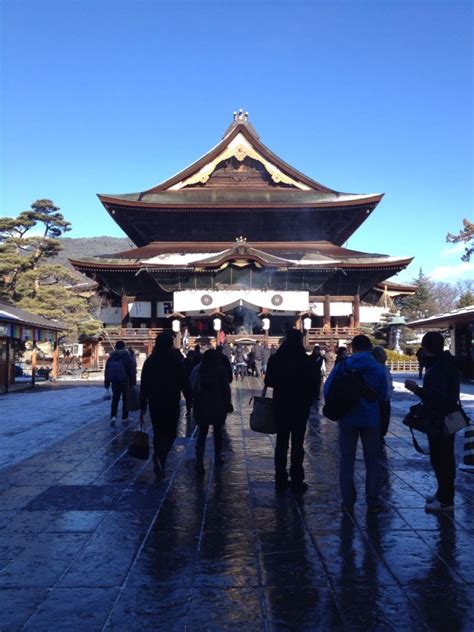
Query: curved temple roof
x=239, y=173
x=212, y=255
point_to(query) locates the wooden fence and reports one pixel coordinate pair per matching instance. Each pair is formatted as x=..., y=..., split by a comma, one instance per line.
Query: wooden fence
x=410, y=366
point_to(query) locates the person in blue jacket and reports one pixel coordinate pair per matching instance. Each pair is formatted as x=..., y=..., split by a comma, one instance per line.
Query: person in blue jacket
x=363, y=421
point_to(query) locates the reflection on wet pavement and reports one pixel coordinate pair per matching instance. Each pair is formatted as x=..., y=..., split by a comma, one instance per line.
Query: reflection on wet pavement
x=89, y=540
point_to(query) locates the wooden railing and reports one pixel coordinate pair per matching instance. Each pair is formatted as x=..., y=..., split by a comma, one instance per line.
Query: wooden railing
x=410, y=366
x=331, y=332
x=122, y=333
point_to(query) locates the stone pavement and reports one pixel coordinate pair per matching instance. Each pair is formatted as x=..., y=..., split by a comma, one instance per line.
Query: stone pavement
x=89, y=541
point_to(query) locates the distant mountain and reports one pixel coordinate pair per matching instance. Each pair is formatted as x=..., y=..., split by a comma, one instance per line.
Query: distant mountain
x=83, y=247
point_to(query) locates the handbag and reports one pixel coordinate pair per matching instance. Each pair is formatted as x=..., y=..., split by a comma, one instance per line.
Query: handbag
x=138, y=447
x=134, y=398
x=418, y=418
x=455, y=421
x=262, y=417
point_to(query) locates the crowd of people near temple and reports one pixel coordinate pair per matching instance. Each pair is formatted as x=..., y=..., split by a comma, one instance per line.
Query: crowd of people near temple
x=299, y=381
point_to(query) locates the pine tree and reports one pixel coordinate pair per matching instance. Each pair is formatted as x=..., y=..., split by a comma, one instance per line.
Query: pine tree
x=27, y=278
x=466, y=299
x=27, y=240
x=423, y=302
x=466, y=234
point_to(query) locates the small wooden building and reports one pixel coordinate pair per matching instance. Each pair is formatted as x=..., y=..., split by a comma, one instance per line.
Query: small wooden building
x=19, y=327
x=459, y=324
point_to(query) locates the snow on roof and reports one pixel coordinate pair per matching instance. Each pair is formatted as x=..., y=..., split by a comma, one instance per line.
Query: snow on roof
x=462, y=311
x=180, y=258
x=6, y=314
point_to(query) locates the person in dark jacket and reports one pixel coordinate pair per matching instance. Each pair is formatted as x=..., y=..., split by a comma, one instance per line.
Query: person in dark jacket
x=341, y=354
x=258, y=358
x=211, y=403
x=240, y=362
x=440, y=397
x=224, y=360
x=330, y=360
x=363, y=421
x=291, y=374
x=163, y=380
x=266, y=357
x=120, y=372
x=318, y=362
x=420, y=358
x=133, y=357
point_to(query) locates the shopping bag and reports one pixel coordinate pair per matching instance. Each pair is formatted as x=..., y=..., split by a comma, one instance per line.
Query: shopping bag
x=138, y=447
x=134, y=398
x=456, y=420
x=262, y=417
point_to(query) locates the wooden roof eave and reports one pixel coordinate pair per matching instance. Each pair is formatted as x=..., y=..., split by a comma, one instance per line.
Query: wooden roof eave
x=219, y=148
x=127, y=204
x=108, y=267
x=200, y=268
x=27, y=323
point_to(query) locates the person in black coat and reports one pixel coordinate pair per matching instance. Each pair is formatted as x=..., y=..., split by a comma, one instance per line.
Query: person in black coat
x=224, y=360
x=440, y=397
x=318, y=362
x=211, y=403
x=163, y=380
x=291, y=374
x=120, y=373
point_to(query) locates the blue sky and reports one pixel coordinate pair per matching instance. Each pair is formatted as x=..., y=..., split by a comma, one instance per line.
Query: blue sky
x=114, y=97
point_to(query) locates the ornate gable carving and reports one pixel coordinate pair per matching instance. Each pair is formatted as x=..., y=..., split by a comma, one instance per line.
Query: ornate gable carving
x=240, y=150
x=248, y=173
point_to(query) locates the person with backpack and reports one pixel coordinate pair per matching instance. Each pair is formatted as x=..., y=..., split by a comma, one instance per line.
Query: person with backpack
x=291, y=374
x=440, y=397
x=380, y=355
x=120, y=373
x=360, y=420
x=163, y=380
x=211, y=404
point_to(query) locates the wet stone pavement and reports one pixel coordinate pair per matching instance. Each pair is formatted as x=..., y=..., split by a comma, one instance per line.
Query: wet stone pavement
x=89, y=541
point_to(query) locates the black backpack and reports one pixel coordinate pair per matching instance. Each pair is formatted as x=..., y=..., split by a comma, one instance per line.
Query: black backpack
x=347, y=389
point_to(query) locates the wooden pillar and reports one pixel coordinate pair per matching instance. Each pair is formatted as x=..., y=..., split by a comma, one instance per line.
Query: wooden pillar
x=124, y=310
x=33, y=359
x=96, y=354
x=7, y=366
x=356, y=311
x=153, y=321
x=54, y=370
x=327, y=312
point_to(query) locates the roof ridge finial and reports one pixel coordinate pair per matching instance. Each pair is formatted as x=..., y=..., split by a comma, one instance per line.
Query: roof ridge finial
x=241, y=116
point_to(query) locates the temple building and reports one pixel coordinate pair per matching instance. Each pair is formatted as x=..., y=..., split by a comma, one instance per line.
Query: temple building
x=242, y=235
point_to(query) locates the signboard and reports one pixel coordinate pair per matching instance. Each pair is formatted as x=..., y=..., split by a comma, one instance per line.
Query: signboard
x=139, y=309
x=164, y=308
x=210, y=300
